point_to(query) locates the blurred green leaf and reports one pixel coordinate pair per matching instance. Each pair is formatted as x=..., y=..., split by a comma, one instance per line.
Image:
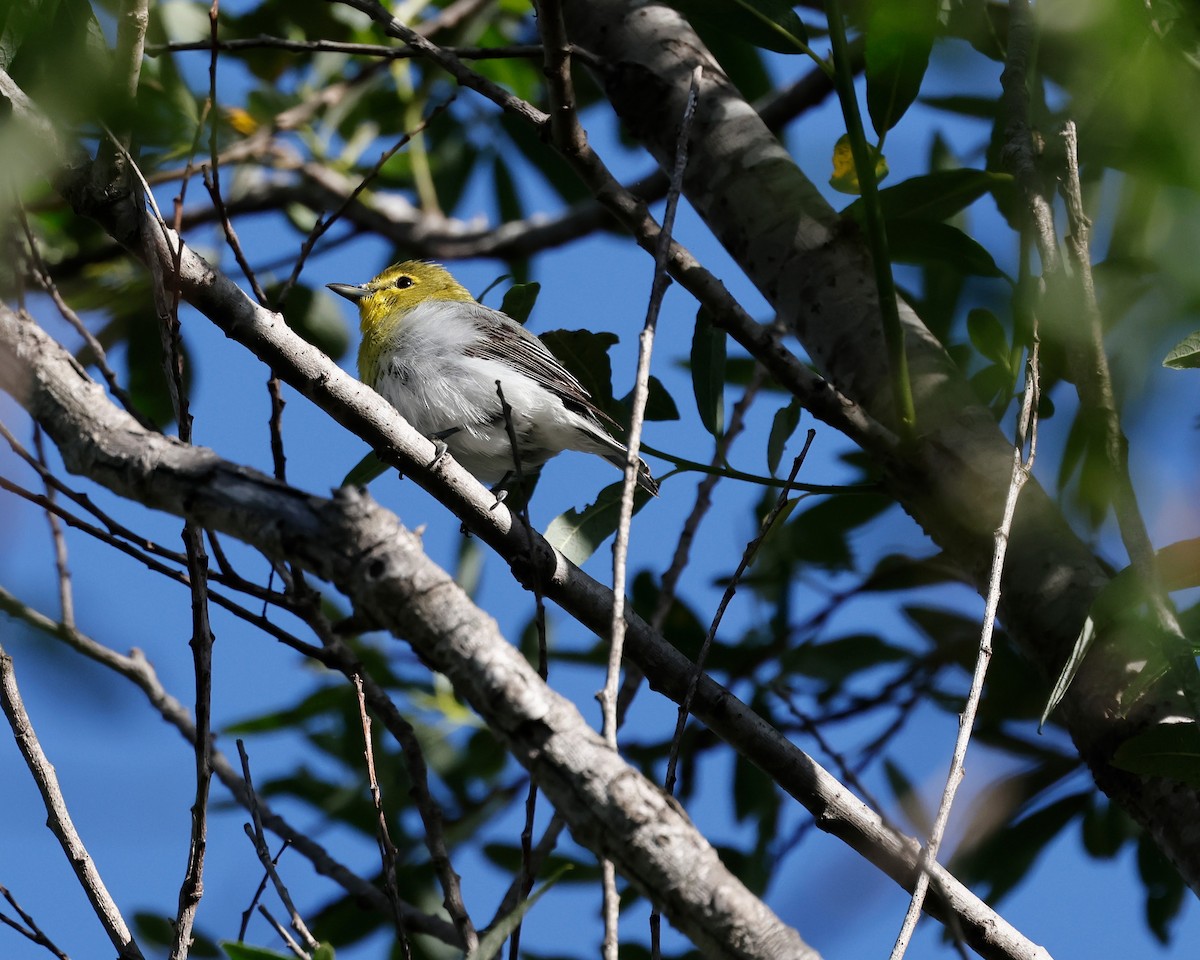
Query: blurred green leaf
x=934, y=196
x=246, y=951
x=783, y=425
x=708, y=373
x=1106, y=828
x=908, y=798
x=770, y=24
x=821, y=534
x=156, y=930
x=924, y=242
x=317, y=316
x=1005, y=857
x=1164, y=750
x=988, y=335
x=1164, y=888
x=492, y=942
x=899, y=38
x=363, y=472
x=835, y=661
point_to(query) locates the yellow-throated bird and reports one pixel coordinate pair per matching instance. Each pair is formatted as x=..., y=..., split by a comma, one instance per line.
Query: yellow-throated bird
x=435, y=354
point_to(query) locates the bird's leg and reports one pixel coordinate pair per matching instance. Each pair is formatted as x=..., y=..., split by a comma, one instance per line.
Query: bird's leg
x=439, y=444
x=499, y=491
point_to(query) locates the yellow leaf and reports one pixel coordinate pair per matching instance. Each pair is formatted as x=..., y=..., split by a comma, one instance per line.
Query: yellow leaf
x=845, y=177
x=240, y=120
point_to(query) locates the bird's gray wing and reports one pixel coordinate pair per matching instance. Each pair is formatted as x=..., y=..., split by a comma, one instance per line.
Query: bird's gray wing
x=506, y=341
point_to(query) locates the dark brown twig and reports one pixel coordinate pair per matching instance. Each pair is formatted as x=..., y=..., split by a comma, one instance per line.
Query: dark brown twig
x=254, y=831
x=27, y=926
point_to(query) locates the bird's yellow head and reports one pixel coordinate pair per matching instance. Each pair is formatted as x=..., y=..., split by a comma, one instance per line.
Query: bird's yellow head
x=385, y=301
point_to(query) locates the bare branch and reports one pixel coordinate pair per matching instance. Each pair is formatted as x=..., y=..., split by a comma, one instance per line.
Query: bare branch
x=59, y=819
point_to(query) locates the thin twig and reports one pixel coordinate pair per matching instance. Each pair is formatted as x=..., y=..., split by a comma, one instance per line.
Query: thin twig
x=1095, y=388
x=259, y=891
x=27, y=926
x=451, y=64
x=864, y=164
x=1021, y=471
x=98, y=356
x=748, y=556
x=387, y=849
x=685, y=704
x=139, y=671
x=66, y=600
x=287, y=938
x=525, y=878
x=324, y=223
x=201, y=643
x=255, y=832
x=513, y=51
x=59, y=819
x=669, y=581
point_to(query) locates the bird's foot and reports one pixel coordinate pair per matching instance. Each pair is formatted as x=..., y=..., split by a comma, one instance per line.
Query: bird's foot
x=439, y=444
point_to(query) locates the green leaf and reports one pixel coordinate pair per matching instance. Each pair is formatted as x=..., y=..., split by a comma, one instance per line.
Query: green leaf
x=988, y=335
x=784, y=424
x=821, y=534
x=1083, y=643
x=755, y=794
x=1164, y=888
x=491, y=942
x=363, y=472
x=508, y=198
x=1005, y=858
x=519, y=300
x=770, y=24
x=585, y=354
x=934, y=196
x=1163, y=750
x=981, y=108
x=1105, y=829
x=148, y=386
x=833, y=661
x=660, y=405
x=577, y=533
x=317, y=317
x=245, y=951
x=925, y=242
x=899, y=38
x=908, y=798
x=708, y=373
x=159, y=931
x=1185, y=354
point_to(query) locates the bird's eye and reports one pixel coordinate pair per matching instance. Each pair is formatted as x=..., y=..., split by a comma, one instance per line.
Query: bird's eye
x=403, y=283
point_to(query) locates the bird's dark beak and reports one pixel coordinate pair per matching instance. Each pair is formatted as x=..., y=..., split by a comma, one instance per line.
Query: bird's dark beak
x=350, y=291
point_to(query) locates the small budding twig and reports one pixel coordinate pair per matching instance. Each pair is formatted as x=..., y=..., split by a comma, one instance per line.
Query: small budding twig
x=1021, y=471
x=387, y=849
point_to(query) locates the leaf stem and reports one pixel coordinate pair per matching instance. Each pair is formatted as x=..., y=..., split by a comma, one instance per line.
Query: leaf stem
x=864, y=165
